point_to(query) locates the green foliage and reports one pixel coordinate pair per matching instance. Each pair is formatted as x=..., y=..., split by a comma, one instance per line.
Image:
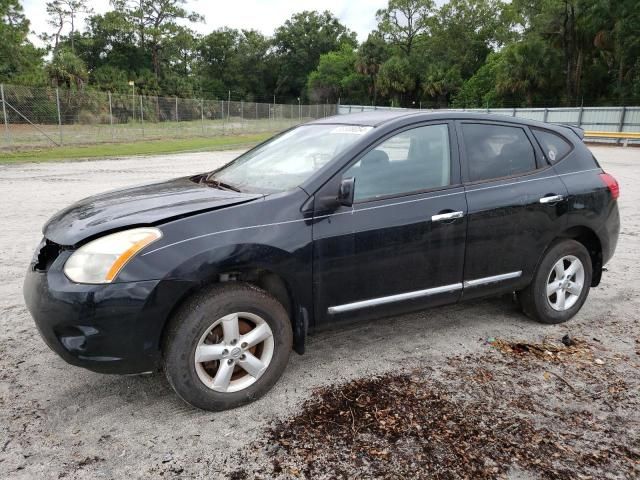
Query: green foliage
x=403, y=22
x=479, y=90
x=229, y=59
x=395, y=78
x=463, y=53
x=20, y=61
x=66, y=69
x=526, y=71
x=300, y=42
x=371, y=55
x=336, y=76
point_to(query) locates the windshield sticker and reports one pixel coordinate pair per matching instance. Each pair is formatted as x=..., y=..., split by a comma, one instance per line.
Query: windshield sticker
x=351, y=129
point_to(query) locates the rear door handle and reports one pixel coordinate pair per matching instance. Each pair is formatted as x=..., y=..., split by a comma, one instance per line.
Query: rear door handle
x=441, y=217
x=552, y=199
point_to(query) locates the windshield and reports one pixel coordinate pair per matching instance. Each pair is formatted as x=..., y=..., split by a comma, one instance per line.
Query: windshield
x=289, y=159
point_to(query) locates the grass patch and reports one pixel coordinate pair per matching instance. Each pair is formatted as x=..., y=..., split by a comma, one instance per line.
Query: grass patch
x=151, y=147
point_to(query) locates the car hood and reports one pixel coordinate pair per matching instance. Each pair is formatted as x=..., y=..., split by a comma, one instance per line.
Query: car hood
x=135, y=206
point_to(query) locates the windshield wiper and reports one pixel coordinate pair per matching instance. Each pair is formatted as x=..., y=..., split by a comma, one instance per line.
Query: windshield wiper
x=221, y=185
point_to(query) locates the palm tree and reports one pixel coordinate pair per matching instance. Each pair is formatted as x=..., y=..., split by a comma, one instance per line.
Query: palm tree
x=528, y=68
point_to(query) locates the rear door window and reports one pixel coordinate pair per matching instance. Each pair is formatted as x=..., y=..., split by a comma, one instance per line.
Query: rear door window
x=554, y=146
x=495, y=151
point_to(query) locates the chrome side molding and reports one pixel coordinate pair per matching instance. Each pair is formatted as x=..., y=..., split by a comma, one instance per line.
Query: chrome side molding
x=494, y=279
x=373, y=302
x=347, y=307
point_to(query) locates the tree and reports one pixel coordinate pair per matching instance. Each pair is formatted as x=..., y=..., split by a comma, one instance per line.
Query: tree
x=300, y=42
x=441, y=81
x=480, y=89
x=62, y=12
x=20, y=61
x=371, y=55
x=465, y=32
x=403, y=21
x=110, y=50
x=156, y=22
x=395, y=78
x=57, y=20
x=229, y=59
x=336, y=77
x=66, y=69
x=526, y=70
x=616, y=25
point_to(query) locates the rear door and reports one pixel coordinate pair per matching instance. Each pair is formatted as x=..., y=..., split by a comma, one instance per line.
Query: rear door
x=401, y=245
x=517, y=206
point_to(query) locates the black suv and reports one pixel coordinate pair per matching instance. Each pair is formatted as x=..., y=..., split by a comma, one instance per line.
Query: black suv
x=216, y=277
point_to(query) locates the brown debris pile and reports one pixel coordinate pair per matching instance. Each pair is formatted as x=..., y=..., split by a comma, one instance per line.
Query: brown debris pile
x=570, y=349
x=475, y=417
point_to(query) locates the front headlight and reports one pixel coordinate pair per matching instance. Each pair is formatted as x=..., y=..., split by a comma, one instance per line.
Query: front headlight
x=100, y=261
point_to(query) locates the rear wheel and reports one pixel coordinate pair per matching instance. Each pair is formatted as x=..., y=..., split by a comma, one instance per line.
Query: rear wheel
x=560, y=285
x=227, y=346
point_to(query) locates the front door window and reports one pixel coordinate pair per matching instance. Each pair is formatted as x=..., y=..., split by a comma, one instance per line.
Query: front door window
x=412, y=161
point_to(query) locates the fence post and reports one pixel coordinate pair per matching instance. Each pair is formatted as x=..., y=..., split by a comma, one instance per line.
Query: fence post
x=580, y=116
x=241, y=113
x=177, y=117
x=59, y=116
x=222, y=114
x=623, y=115
x=141, y=116
x=4, y=114
x=546, y=114
x=111, y=117
x=202, y=114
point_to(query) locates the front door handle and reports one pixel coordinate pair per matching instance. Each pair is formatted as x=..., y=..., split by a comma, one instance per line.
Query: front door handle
x=441, y=217
x=552, y=199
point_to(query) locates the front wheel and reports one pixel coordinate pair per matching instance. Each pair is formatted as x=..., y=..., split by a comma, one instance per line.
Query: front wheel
x=227, y=346
x=560, y=285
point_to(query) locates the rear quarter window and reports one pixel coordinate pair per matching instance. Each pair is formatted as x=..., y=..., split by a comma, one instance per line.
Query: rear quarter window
x=555, y=147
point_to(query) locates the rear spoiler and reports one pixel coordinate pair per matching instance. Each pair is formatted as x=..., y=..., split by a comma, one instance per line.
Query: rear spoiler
x=576, y=130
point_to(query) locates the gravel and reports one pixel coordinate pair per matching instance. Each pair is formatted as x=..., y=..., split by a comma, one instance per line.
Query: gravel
x=58, y=421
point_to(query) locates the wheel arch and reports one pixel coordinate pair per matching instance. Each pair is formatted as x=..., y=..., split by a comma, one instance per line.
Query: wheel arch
x=272, y=278
x=587, y=237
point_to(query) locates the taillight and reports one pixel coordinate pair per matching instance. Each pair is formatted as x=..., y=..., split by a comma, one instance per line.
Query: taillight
x=612, y=185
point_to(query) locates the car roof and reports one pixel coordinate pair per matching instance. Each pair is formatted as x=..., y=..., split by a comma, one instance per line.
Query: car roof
x=376, y=118
x=372, y=118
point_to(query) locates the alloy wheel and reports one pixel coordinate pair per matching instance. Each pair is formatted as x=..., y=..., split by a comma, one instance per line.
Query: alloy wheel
x=565, y=283
x=234, y=352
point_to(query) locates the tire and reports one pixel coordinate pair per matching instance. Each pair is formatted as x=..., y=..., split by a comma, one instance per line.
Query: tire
x=562, y=305
x=204, y=325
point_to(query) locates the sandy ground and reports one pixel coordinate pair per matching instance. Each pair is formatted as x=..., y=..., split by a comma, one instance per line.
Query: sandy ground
x=58, y=421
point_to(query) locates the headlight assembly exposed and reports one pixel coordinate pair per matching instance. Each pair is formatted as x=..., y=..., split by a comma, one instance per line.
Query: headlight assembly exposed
x=100, y=260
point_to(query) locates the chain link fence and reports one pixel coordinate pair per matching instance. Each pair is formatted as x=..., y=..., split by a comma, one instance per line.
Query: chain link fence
x=38, y=117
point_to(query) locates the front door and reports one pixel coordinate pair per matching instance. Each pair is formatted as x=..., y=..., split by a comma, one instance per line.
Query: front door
x=401, y=245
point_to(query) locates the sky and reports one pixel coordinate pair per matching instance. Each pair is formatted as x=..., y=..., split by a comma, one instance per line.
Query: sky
x=262, y=15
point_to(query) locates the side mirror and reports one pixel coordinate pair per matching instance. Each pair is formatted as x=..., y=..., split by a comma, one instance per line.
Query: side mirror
x=346, y=192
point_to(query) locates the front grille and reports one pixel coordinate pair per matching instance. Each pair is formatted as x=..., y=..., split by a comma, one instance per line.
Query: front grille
x=46, y=254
